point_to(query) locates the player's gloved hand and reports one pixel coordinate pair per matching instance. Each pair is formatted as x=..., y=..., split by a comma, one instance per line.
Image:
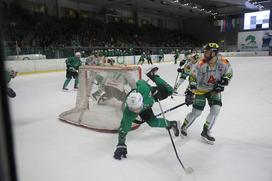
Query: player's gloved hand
x=192, y=87
x=182, y=62
x=180, y=70
x=189, y=97
x=224, y=81
x=218, y=87
x=121, y=151
x=11, y=93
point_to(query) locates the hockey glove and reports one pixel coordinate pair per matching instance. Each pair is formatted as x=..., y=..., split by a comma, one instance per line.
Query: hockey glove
x=189, y=97
x=180, y=70
x=121, y=151
x=11, y=93
x=224, y=81
x=218, y=87
x=182, y=62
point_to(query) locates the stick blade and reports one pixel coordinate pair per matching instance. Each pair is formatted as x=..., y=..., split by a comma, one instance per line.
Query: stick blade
x=189, y=170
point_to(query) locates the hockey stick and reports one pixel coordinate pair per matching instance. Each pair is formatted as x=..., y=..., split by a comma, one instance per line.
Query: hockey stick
x=175, y=83
x=187, y=170
x=168, y=110
x=171, y=109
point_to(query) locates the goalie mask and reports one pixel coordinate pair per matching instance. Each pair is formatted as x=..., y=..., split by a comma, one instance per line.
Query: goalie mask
x=135, y=102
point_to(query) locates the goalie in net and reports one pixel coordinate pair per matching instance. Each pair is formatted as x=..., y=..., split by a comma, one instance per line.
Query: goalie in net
x=113, y=85
x=101, y=96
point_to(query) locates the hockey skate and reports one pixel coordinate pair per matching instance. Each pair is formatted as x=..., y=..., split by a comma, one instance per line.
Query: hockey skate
x=183, y=132
x=65, y=89
x=174, y=126
x=151, y=72
x=207, y=138
x=183, y=129
x=75, y=88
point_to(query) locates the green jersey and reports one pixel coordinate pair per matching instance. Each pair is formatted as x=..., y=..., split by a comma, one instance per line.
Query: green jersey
x=161, y=52
x=148, y=100
x=73, y=62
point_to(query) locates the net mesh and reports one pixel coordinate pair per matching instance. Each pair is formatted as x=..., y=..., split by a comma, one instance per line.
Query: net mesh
x=101, y=97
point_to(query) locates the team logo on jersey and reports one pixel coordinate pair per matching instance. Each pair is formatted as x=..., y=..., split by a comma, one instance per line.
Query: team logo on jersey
x=211, y=80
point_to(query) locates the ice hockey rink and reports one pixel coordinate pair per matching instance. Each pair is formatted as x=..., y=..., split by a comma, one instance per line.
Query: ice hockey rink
x=50, y=150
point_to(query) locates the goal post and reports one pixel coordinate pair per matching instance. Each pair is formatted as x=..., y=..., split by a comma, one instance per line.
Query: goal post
x=101, y=97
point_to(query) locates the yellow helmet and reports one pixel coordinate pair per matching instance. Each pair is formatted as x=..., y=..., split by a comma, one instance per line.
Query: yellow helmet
x=214, y=47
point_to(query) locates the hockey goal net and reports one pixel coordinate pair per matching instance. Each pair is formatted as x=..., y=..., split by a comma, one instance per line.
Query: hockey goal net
x=101, y=97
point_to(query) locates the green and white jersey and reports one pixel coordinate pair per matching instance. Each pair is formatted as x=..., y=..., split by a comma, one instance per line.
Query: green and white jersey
x=204, y=77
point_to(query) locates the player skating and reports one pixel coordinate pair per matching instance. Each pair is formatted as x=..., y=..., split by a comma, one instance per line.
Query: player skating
x=185, y=68
x=142, y=59
x=72, y=66
x=207, y=80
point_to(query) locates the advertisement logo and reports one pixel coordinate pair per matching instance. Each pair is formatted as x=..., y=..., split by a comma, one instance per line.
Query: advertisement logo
x=250, y=42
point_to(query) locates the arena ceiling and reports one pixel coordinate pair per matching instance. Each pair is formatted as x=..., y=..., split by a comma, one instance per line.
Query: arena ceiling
x=183, y=8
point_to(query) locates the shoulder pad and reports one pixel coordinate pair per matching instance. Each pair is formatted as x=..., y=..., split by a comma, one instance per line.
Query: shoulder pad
x=224, y=60
x=201, y=62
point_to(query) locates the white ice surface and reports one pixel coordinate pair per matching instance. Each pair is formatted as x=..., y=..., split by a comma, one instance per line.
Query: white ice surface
x=50, y=150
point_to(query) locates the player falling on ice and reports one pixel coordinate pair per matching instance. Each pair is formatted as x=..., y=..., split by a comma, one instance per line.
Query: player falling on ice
x=116, y=85
x=139, y=103
x=207, y=80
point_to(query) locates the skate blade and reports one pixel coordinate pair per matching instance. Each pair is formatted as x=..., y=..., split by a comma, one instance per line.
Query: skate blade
x=205, y=140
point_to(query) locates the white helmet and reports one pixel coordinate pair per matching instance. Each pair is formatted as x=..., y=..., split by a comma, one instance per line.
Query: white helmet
x=78, y=54
x=135, y=102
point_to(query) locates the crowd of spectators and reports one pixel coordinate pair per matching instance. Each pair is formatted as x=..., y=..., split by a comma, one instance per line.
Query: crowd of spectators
x=32, y=29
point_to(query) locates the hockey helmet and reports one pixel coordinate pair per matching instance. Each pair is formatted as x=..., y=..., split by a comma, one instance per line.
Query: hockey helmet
x=214, y=47
x=135, y=102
